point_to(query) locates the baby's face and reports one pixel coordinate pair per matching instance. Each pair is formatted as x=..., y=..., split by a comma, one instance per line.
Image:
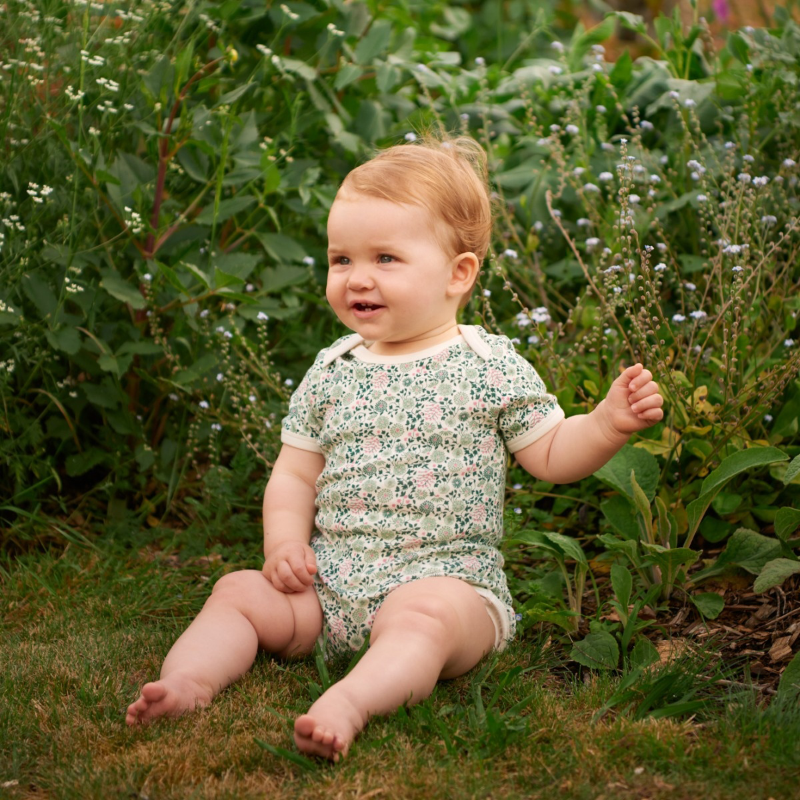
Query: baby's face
x=389, y=278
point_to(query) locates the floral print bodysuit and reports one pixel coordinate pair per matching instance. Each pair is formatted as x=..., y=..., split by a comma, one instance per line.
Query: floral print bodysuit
x=415, y=451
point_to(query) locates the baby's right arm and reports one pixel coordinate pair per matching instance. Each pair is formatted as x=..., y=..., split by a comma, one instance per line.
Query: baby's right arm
x=289, y=512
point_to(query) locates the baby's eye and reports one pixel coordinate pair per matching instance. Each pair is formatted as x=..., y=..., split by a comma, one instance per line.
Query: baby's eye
x=343, y=260
x=385, y=258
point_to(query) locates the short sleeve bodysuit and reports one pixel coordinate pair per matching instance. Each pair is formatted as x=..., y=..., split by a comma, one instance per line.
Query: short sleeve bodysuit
x=415, y=451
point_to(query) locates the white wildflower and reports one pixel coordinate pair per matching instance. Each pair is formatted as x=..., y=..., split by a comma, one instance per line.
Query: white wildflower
x=678, y=318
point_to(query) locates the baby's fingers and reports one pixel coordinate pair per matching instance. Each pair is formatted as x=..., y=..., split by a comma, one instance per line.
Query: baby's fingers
x=287, y=576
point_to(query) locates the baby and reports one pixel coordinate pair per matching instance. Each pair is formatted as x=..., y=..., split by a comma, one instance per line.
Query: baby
x=383, y=513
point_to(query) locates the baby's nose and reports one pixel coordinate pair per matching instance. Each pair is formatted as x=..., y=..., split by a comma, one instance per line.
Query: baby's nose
x=359, y=279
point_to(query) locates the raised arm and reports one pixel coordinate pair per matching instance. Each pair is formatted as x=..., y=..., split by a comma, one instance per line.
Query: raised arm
x=579, y=445
x=289, y=510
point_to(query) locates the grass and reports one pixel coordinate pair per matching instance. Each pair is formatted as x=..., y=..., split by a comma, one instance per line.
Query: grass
x=81, y=629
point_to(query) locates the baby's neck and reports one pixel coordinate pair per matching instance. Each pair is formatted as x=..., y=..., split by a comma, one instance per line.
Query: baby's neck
x=416, y=345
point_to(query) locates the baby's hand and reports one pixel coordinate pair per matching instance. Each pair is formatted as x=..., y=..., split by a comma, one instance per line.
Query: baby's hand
x=633, y=402
x=290, y=567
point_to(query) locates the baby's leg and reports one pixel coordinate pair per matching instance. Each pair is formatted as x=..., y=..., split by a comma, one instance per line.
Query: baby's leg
x=425, y=630
x=245, y=612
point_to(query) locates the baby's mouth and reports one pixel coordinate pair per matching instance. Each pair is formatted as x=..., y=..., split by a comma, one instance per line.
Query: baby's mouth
x=366, y=306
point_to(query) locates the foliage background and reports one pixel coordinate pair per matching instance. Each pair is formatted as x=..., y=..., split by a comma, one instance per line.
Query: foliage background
x=167, y=173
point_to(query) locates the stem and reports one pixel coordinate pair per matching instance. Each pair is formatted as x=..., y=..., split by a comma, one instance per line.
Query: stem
x=165, y=156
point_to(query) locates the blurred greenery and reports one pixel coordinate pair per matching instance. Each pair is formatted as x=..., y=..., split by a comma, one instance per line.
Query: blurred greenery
x=167, y=172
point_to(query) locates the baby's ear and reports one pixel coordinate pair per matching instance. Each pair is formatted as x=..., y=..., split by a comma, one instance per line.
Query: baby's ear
x=465, y=271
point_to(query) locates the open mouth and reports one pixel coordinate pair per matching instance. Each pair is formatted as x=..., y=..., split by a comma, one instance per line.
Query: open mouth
x=366, y=307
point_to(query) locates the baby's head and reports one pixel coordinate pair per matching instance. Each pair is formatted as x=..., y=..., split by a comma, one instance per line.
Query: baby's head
x=447, y=177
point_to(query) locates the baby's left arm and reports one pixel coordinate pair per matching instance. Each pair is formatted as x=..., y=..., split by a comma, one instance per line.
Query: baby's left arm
x=580, y=445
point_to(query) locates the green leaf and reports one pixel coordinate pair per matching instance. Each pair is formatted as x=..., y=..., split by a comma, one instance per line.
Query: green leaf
x=643, y=654
x=621, y=515
x=738, y=47
x=774, y=573
x=346, y=75
x=200, y=367
x=746, y=549
x=198, y=273
x=229, y=98
x=786, y=522
x=116, y=365
x=632, y=22
x=40, y=294
x=171, y=276
x=793, y=471
x=79, y=463
x=709, y=604
x=642, y=506
x=567, y=545
x=103, y=396
x=239, y=265
x=789, y=685
x=617, y=472
x=140, y=349
x=597, y=651
x=66, y=339
x=281, y=247
x=375, y=42
x=740, y=462
x=622, y=71
x=583, y=40
x=622, y=583
x=120, y=289
x=227, y=208
x=159, y=77
x=299, y=68
x=272, y=177
x=669, y=560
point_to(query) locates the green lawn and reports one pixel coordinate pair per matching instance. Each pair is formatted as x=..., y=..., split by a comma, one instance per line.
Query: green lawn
x=82, y=629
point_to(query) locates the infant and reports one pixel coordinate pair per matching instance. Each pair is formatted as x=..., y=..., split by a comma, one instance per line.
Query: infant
x=383, y=512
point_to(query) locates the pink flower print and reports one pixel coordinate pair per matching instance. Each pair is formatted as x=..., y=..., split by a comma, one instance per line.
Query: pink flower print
x=441, y=356
x=479, y=513
x=345, y=568
x=471, y=563
x=487, y=445
x=432, y=412
x=495, y=377
x=412, y=434
x=357, y=505
x=399, y=502
x=381, y=380
x=372, y=445
x=336, y=627
x=425, y=479
x=411, y=544
x=535, y=418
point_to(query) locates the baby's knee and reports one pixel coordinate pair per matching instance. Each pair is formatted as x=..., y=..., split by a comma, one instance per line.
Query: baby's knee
x=237, y=587
x=426, y=614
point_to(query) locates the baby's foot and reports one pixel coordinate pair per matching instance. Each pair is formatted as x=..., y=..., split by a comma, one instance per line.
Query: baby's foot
x=330, y=726
x=170, y=697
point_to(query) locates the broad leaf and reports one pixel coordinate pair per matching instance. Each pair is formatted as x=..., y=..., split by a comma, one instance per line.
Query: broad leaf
x=597, y=651
x=774, y=573
x=617, y=472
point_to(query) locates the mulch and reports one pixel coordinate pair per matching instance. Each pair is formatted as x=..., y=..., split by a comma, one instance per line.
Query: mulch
x=758, y=632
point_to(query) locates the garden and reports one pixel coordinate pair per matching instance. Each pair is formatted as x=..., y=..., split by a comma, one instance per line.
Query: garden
x=168, y=168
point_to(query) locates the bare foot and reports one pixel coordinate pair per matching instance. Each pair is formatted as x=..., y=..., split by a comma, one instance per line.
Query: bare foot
x=170, y=697
x=330, y=726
